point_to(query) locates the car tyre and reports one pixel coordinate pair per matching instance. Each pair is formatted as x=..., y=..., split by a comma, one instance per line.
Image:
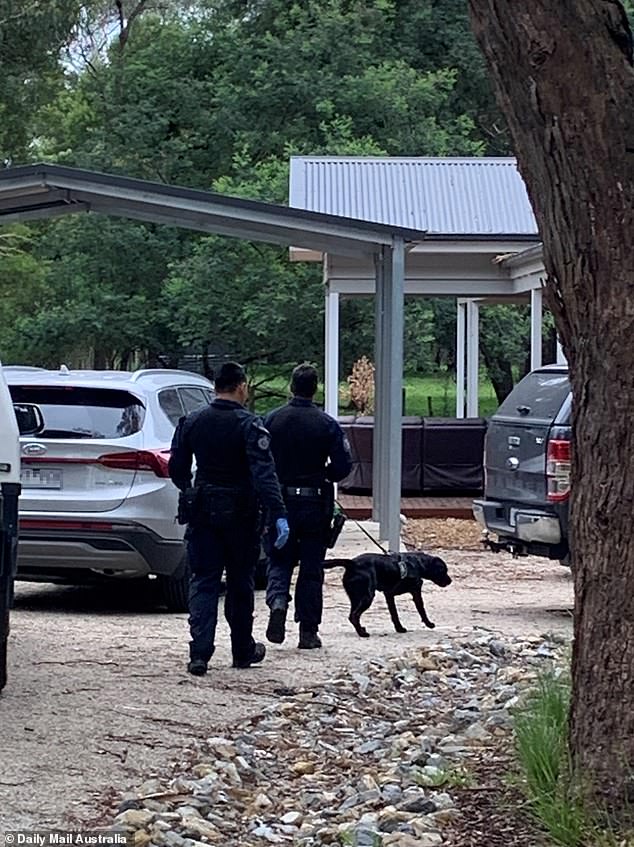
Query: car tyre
x=175, y=588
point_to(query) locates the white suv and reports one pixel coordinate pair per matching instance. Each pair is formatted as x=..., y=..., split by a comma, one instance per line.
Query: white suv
x=96, y=499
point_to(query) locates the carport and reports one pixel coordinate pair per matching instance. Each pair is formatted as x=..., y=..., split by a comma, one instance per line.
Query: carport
x=359, y=257
x=41, y=191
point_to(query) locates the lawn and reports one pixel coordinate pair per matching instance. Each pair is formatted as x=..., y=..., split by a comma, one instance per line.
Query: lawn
x=426, y=396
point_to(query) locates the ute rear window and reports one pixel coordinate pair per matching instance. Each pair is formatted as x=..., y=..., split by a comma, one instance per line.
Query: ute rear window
x=76, y=412
x=539, y=395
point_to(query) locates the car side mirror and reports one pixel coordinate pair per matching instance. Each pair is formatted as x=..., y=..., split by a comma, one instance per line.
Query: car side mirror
x=29, y=417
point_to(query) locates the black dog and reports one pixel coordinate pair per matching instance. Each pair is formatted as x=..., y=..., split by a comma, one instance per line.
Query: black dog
x=393, y=574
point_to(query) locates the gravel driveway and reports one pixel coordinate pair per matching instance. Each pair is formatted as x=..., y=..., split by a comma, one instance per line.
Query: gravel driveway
x=98, y=701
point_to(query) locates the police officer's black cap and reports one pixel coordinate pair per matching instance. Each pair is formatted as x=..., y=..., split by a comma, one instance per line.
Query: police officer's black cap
x=230, y=376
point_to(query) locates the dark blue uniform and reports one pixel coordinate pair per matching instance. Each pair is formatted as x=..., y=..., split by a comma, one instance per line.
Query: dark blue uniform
x=310, y=453
x=234, y=469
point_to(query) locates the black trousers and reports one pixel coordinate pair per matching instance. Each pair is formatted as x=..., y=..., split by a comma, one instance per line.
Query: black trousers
x=308, y=520
x=233, y=548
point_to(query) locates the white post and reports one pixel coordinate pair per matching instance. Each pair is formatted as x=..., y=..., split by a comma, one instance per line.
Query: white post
x=473, y=357
x=536, y=328
x=386, y=457
x=392, y=455
x=561, y=359
x=379, y=482
x=331, y=369
x=461, y=338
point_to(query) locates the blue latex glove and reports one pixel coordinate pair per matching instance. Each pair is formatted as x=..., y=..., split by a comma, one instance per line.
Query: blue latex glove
x=281, y=525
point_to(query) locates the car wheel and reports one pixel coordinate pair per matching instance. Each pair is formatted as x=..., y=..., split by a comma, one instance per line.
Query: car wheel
x=175, y=588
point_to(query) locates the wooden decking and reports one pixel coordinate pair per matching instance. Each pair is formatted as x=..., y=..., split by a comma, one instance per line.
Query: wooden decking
x=360, y=507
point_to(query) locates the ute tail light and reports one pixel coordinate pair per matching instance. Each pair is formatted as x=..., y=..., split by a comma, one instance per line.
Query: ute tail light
x=558, y=470
x=155, y=461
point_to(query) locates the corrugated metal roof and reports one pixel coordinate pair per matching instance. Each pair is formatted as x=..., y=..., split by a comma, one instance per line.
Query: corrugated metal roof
x=442, y=196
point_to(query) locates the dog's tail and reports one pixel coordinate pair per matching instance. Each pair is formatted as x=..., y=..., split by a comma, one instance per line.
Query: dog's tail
x=337, y=563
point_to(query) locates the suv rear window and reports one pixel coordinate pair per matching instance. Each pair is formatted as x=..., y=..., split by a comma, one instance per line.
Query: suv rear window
x=539, y=395
x=76, y=412
x=193, y=399
x=171, y=405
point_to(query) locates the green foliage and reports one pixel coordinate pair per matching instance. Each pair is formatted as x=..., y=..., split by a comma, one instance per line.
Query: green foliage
x=554, y=793
x=541, y=745
x=32, y=34
x=100, y=281
x=540, y=734
x=22, y=287
x=245, y=300
x=437, y=34
x=505, y=334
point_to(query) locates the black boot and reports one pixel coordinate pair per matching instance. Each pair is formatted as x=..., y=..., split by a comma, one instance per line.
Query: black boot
x=259, y=652
x=276, y=630
x=308, y=639
x=197, y=667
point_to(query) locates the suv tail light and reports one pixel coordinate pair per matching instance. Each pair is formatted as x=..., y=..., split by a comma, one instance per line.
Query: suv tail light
x=138, y=460
x=558, y=470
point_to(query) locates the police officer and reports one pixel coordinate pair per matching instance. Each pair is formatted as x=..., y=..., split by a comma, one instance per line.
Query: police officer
x=234, y=468
x=310, y=454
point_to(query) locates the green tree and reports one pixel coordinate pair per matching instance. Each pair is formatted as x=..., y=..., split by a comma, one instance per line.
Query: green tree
x=101, y=305
x=32, y=35
x=23, y=289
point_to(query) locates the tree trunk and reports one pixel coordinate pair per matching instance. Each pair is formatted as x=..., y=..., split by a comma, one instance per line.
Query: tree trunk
x=563, y=76
x=500, y=373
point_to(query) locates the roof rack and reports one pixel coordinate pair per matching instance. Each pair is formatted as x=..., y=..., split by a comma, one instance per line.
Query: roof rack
x=136, y=376
x=22, y=368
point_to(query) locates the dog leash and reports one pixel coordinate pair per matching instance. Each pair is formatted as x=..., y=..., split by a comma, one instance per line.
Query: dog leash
x=363, y=530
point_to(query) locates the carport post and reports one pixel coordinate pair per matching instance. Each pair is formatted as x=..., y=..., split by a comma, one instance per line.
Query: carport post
x=473, y=357
x=331, y=368
x=390, y=288
x=536, y=328
x=395, y=303
x=461, y=339
x=378, y=476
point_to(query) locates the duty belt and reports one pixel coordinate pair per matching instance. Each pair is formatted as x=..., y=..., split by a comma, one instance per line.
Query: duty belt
x=298, y=491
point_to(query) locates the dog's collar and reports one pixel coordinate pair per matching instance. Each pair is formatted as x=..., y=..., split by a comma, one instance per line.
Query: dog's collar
x=402, y=566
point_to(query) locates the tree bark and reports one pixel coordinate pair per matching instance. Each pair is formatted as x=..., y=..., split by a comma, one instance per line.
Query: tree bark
x=564, y=79
x=500, y=372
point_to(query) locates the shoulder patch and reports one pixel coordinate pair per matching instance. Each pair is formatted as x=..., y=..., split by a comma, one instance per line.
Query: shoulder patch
x=264, y=437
